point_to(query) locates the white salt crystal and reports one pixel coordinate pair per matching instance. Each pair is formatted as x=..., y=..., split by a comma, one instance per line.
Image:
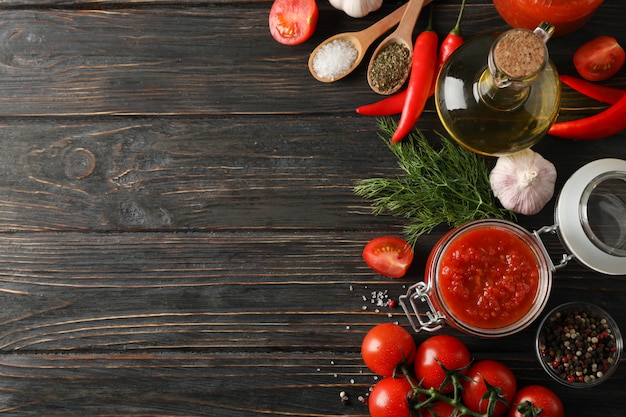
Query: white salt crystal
x=334, y=59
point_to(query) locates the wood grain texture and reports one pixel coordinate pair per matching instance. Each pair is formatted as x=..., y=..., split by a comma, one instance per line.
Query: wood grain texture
x=178, y=231
x=166, y=61
x=203, y=174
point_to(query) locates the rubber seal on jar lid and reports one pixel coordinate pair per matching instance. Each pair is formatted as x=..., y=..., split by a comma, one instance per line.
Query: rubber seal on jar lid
x=591, y=215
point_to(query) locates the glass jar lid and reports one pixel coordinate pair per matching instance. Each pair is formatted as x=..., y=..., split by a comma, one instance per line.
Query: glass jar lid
x=591, y=215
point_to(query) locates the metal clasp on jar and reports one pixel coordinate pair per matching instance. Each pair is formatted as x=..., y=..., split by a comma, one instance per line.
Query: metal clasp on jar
x=417, y=304
x=565, y=258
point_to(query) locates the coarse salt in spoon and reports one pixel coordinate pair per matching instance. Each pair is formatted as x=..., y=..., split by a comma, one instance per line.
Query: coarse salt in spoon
x=398, y=46
x=348, y=43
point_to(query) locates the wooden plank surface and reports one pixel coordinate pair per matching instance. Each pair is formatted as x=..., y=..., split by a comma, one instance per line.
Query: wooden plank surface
x=167, y=61
x=178, y=231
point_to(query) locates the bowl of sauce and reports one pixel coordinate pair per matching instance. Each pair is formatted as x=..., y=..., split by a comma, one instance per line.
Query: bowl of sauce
x=488, y=278
x=565, y=15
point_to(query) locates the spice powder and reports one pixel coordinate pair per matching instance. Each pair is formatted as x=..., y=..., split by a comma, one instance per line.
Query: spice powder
x=390, y=67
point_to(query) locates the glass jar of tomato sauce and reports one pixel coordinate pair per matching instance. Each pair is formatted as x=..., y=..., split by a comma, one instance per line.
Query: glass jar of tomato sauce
x=488, y=278
x=565, y=15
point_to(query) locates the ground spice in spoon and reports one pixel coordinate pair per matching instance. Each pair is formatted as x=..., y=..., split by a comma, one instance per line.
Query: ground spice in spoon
x=390, y=67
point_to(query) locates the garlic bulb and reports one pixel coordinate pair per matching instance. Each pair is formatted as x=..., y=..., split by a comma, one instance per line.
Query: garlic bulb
x=523, y=182
x=357, y=8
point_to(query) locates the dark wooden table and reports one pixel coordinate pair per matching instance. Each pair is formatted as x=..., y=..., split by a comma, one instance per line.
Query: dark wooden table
x=179, y=235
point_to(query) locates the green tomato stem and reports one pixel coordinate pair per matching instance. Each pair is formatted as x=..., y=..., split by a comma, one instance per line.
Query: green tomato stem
x=431, y=395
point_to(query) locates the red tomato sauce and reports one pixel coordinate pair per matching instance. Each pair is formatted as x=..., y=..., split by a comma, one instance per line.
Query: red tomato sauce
x=565, y=15
x=488, y=278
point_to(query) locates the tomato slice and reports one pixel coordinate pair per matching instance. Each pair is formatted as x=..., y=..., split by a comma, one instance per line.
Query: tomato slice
x=599, y=59
x=388, y=255
x=293, y=21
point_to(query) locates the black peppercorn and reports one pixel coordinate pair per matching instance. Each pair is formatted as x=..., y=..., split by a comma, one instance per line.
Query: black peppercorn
x=577, y=344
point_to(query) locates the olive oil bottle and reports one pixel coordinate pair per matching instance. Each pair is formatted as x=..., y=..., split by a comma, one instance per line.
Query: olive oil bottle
x=498, y=96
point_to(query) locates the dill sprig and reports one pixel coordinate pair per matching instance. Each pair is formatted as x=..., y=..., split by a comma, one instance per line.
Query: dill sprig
x=448, y=185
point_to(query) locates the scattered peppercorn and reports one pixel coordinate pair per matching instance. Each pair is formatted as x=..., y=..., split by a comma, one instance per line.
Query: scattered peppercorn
x=578, y=345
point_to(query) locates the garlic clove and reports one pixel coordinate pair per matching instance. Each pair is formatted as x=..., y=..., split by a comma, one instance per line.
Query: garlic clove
x=357, y=8
x=523, y=182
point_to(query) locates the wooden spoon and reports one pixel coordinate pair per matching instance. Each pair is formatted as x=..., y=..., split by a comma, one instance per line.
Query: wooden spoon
x=360, y=41
x=403, y=35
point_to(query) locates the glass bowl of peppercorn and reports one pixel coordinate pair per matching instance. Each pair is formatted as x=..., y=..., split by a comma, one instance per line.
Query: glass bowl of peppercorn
x=579, y=344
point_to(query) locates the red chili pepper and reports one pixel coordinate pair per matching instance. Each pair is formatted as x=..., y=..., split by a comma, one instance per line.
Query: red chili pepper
x=386, y=107
x=450, y=43
x=598, y=92
x=606, y=123
x=420, y=80
x=394, y=104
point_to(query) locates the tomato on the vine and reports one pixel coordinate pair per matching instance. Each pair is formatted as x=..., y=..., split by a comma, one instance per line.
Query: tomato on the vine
x=293, y=21
x=498, y=376
x=438, y=351
x=536, y=397
x=388, y=255
x=387, y=346
x=599, y=59
x=390, y=398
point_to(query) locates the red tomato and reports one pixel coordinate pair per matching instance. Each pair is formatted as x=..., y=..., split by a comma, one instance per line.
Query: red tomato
x=293, y=21
x=537, y=397
x=438, y=351
x=390, y=398
x=439, y=409
x=389, y=256
x=385, y=347
x=599, y=59
x=497, y=375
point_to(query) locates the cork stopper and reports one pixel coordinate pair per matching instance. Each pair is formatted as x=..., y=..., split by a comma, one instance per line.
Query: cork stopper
x=519, y=54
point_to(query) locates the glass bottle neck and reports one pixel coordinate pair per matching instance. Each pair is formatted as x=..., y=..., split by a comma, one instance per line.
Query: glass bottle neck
x=508, y=98
x=515, y=60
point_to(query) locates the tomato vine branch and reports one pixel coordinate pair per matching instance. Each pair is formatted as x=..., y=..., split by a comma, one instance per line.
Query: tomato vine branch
x=422, y=397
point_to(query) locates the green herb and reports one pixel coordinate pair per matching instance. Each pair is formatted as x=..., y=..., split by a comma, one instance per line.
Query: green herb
x=448, y=185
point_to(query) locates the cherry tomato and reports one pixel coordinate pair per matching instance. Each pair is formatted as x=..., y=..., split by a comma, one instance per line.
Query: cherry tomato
x=439, y=409
x=388, y=255
x=497, y=375
x=599, y=59
x=437, y=351
x=390, y=398
x=293, y=21
x=387, y=346
x=536, y=397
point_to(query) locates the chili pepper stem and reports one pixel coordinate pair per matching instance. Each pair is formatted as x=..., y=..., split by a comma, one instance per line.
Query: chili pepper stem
x=450, y=43
x=456, y=30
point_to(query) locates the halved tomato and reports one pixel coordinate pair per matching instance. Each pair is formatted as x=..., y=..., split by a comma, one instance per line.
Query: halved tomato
x=599, y=59
x=293, y=21
x=388, y=255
